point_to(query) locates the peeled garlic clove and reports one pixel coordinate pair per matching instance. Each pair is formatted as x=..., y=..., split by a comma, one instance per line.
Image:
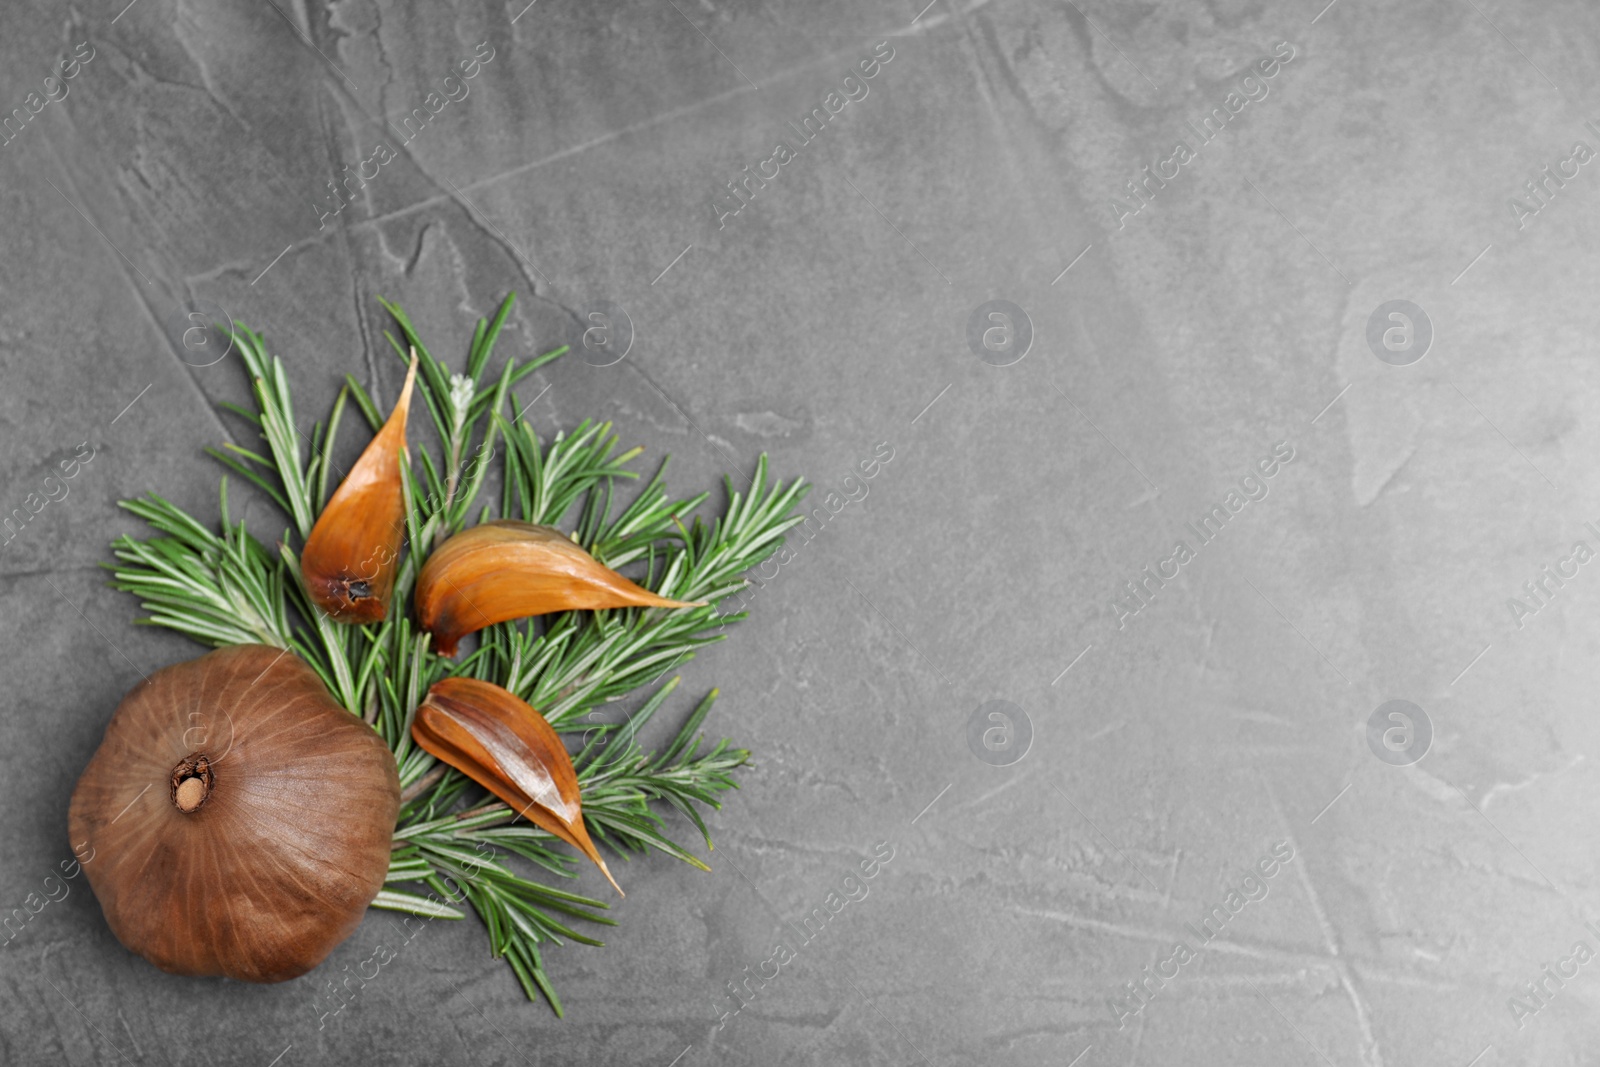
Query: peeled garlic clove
x=499, y=741
x=350, y=559
x=237, y=820
x=507, y=569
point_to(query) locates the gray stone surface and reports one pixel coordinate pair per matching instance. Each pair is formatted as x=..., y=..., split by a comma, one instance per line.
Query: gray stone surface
x=1230, y=313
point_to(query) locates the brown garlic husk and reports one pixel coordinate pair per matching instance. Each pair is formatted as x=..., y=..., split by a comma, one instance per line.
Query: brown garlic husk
x=506, y=569
x=349, y=561
x=240, y=819
x=499, y=741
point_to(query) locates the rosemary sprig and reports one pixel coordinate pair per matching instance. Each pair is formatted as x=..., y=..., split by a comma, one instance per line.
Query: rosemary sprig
x=222, y=586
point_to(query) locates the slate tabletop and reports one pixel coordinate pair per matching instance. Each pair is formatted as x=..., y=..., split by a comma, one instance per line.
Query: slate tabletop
x=1206, y=675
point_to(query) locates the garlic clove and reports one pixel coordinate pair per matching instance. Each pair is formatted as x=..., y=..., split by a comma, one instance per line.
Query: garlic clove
x=506, y=569
x=499, y=741
x=349, y=561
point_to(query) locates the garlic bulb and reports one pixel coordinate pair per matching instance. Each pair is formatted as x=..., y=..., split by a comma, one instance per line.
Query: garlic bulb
x=241, y=820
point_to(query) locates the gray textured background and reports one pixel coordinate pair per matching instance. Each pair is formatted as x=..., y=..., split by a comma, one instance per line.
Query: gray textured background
x=1226, y=316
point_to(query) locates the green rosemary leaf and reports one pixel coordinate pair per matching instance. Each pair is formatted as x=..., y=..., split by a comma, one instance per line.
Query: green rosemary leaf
x=368, y=409
x=325, y=456
x=393, y=900
x=687, y=734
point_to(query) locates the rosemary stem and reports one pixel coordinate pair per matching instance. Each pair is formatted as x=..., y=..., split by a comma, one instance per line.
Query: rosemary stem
x=422, y=785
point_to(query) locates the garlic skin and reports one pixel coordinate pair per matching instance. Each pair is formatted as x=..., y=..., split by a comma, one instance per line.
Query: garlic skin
x=241, y=820
x=507, y=569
